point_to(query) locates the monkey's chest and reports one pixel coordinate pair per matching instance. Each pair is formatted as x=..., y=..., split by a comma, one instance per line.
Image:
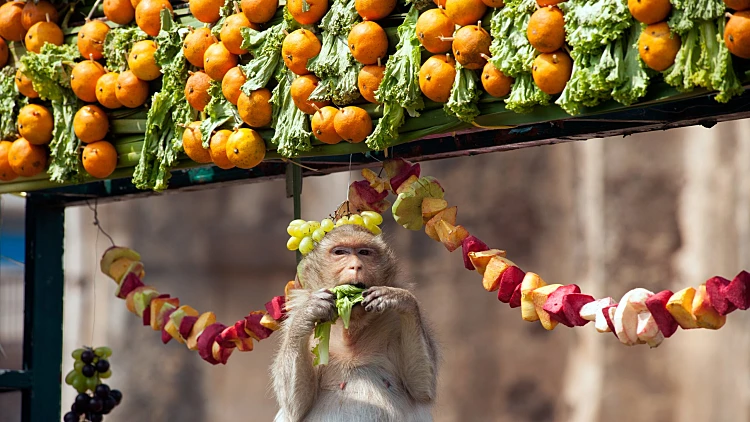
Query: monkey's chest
x=372, y=393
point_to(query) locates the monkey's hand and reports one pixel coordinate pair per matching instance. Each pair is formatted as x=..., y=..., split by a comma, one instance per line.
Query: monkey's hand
x=381, y=298
x=319, y=307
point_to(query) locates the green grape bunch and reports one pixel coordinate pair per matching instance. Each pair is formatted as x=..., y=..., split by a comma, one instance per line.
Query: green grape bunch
x=305, y=234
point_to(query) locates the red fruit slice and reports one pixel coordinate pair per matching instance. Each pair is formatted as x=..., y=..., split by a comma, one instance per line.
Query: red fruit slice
x=227, y=337
x=608, y=317
x=399, y=170
x=130, y=283
x=515, y=300
x=471, y=244
x=738, y=291
x=186, y=325
x=716, y=290
x=206, y=342
x=276, y=308
x=554, y=304
x=147, y=311
x=509, y=281
x=254, y=328
x=657, y=305
x=572, y=304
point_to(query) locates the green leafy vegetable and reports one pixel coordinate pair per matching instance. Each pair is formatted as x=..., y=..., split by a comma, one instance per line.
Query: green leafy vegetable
x=346, y=297
x=218, y=111
x=266, y=50
x=592, y=24
x=511, y=52
x=51, y=80
x=524, y=95
x=685, y=13
x=464, y=96
x=704, y=61
x=10, y=102
x=335, y=65
x=169, y=111
x=632, y=77
x=292, y=127
x=594, y=76
x=399, y=88
x=117, y=44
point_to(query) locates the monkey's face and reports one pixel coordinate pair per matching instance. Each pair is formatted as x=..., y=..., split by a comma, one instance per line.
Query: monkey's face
x=350, y=255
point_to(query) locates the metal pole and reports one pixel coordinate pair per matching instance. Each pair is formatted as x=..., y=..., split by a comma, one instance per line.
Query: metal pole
x=43, y=310
x=294, y=190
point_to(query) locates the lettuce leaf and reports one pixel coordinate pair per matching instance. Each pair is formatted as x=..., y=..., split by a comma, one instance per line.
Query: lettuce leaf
x=592, y=24
x=511, y=51
x=117, y=44
x=524, y=95
x=169, y=111
x=219, y=111
x=335, y=65
x=594, y=76
x=632, y=78
x=292, y=133
x=346, y=297
x=685, y=13
x=464, y=96
x=10, y=102
x=48, y=74
x=265, y=47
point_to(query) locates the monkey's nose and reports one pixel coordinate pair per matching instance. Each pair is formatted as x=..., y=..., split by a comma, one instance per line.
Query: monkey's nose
x=355, y=267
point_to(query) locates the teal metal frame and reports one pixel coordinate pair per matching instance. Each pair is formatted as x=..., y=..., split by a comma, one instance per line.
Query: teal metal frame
x=40, y=380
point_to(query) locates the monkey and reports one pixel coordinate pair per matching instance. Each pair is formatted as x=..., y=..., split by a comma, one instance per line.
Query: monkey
x=383, y=367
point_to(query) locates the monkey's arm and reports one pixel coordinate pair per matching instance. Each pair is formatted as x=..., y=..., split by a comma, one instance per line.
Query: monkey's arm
x=295, y=380
x=418, y=360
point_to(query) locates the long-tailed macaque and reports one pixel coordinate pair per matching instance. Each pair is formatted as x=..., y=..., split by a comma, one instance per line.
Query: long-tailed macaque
x=383, y=368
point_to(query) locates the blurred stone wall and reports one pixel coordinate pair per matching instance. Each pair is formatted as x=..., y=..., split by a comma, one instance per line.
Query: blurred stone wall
x=663, y=210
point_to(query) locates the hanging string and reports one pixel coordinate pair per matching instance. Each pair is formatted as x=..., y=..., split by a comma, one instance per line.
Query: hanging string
x=96, y=220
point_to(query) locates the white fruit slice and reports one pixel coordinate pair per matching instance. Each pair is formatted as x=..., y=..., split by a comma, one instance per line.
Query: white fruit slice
x=601, y=322
x=647, y=328
x=626, y=321
x=637, y=297
x=591, y=309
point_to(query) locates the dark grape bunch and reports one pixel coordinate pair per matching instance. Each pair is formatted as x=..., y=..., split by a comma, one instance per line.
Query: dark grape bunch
x=94, y=399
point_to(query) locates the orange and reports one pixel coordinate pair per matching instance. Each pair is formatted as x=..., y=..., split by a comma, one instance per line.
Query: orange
x=439, y=3
x=433, y=26
x=11, y=21
x=148, y=15
x=495, y=82
x=231, y=84
x=195, y=45
x=298, y=48
x=206, y=11
x=323, y=127
x=231, y=35
x=24, y=85
x=369, y=80
x=255, y=109
x=134, y=3
x=35, y=123
x=91, y=39
x=259, y=11
x=546, y=29
x=301, y=89
x=737, y=34
x=373, y=10
x=41, y=33
x=494, y=3
x=99, y=159
x=471, y=46
x=196, y=90
x=218, y=149
x=307, y=12
x=245, y=148
x=737, y=4
x=650, y=11
x=83, y=79
x=217, y=61
x=3, y=53
x=551, y=71
x=121, y=12
x=131, y=91
x=658, y=46
x=368, y=42
x=436, y=77
x=193, y=144
x=142, y=61
x=90, y=124
x=43, y=11
x=106, y=88
x=27, y=159
x=465, y=12
x=353, y=124
x=6, y=172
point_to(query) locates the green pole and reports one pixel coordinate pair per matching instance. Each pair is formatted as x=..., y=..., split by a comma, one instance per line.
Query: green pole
x=294, y=190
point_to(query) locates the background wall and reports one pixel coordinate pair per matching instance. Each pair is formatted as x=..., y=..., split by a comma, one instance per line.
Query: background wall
x=663, y=210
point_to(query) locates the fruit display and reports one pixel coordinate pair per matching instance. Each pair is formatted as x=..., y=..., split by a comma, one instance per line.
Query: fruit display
x=94, y=399
x=308, y=74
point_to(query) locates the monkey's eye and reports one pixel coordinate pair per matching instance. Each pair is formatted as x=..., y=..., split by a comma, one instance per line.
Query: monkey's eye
x=365, y=252
x=340, y=251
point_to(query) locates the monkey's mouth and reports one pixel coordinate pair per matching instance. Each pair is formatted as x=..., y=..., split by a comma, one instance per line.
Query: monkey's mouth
x=359, y=285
